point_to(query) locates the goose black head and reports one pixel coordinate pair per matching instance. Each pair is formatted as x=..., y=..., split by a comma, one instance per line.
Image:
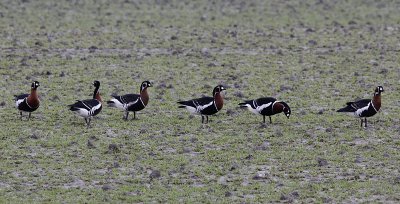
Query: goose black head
x=35, y=84
x=286, y=109
x=379, y=90
x=96, y=84
x=218, y=89
x=144, y=85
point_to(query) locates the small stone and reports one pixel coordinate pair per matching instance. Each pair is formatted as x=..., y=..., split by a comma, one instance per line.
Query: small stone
x=329, y=129
x=186, y=150
x=310, y=30
x=228, y=194
x=352, y=22
x=230, y=112
x=113, y=148
x=295, y=194
x=249, y=156
x=238, y=94
x=312, y=42
x=283, y=197
x=358, y=160
x=38, y=43
x=397, y=180
x=55, y=98
x=93, y=48
x=93, y=138
x=90, y=145
x=234, y=166
x=155, y=174
x=384, y=71
x=106, y=187
x=322, y=162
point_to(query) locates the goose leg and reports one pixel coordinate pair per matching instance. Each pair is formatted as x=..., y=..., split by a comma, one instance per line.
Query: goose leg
x=207, y=118
x=29, y=116
x=88, y=125
x=270, y=120
x=134, y=114
x=362, y=122
x=126, y=115
x=20, y=113
x=365, y=122
x=202, y=119
x=263, y=118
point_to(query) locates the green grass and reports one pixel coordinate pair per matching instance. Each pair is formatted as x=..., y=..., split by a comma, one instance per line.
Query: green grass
x=315, y=56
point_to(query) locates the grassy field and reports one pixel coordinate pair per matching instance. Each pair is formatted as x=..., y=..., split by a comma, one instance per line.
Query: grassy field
x=314, y=54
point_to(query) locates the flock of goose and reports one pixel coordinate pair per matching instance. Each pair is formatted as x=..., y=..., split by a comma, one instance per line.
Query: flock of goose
x=204, y=106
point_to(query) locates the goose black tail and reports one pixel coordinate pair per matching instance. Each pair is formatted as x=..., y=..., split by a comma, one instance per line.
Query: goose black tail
x=346, y=109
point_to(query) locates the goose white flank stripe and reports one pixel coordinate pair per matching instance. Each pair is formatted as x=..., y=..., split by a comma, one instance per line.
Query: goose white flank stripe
x=266, y=107
x=131, y=102
x=28, y=102
x=90, y=107
x=205, y=106
x=365, y=108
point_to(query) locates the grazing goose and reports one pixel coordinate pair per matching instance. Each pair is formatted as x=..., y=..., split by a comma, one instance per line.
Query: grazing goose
x=266, y=107
x=90, y=107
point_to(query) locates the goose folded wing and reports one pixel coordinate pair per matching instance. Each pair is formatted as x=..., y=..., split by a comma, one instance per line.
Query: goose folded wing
x=128, y=98
x=359, y=104
x=22, y=96
x=86, y=104
x=203, y=102
x=267, y=100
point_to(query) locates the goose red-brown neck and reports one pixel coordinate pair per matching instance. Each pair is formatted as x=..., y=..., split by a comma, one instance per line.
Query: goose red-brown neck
x=277, y=108
x=376, y=100
x=33, y=99
x=97, y=96
x=96, y=93
x=144, y=96
x=219, y=101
